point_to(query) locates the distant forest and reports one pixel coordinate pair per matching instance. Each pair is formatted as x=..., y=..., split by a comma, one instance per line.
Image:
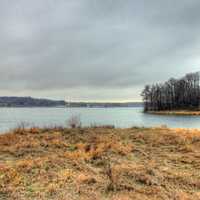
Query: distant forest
x=33, y=102
x=28, y=102
x=175, y=94
x=103, y=105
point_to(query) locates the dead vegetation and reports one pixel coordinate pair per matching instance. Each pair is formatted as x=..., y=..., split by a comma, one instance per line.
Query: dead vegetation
x=101, y=163
x=176, y=112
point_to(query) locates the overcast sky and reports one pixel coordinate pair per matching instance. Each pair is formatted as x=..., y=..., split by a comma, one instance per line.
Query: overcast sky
x=95, y=50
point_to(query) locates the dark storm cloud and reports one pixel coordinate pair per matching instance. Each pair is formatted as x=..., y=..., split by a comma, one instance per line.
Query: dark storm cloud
x=97, y=44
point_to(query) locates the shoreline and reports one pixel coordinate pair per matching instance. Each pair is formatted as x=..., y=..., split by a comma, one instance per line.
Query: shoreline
x=175, y=112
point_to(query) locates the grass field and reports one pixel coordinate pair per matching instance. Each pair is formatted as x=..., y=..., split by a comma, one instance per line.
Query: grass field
x=101, y=163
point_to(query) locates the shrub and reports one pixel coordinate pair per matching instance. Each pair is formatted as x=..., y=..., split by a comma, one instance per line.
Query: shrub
x=74, y=121
x=21, y=127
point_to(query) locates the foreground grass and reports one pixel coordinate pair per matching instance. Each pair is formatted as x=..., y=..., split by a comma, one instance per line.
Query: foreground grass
x=176, y=112
x=100, y=163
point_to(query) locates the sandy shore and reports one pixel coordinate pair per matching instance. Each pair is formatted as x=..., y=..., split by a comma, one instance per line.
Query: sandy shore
x=176, y=112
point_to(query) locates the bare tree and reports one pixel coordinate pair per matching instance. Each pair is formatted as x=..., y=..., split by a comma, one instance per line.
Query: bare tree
x=183, y=93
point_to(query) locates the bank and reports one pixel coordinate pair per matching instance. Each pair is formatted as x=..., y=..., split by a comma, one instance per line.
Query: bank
x=176, y=112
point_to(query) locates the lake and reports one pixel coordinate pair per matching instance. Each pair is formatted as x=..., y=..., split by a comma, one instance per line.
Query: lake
x=120, y=117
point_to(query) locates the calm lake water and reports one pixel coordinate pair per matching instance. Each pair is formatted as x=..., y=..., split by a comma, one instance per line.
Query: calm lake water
x=120, y=117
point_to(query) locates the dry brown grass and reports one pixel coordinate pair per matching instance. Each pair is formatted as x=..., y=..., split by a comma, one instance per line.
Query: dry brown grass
x=176, y=112
x=100, y=163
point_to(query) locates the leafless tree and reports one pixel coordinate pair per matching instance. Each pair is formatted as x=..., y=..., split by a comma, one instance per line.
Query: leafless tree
x=183, y=93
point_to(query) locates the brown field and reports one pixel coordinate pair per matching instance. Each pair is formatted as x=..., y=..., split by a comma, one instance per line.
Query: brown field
x=100, y=164
x=176, y=112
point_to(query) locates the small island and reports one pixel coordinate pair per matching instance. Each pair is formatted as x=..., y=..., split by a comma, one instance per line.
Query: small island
x=174, y=97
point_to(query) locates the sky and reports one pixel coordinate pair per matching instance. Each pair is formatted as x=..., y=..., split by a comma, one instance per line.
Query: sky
x=95, y=50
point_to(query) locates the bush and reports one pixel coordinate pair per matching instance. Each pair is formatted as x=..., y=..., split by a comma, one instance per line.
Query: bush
x=74, y=121
x=21, y=127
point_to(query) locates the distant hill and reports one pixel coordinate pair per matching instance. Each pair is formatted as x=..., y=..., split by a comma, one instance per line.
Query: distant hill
x=34, y=102
x=103, y=105
x=28, y=102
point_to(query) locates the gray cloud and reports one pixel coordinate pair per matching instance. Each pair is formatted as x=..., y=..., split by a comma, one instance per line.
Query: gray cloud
x=90, y=49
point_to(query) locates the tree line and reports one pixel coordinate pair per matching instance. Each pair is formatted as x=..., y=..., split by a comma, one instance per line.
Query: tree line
x=29, y=102
x=183, y=93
